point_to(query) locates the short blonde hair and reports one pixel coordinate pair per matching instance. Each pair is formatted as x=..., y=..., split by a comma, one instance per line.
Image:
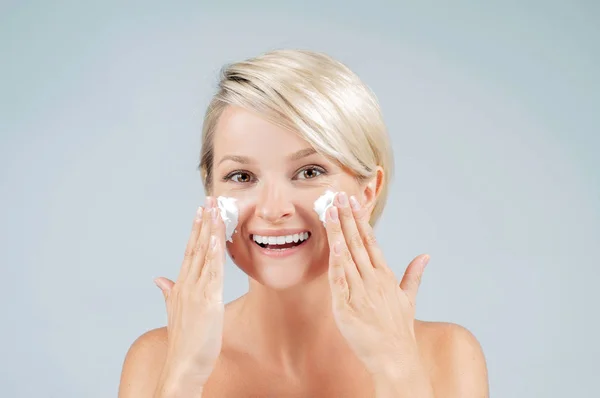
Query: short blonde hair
x=315, y=96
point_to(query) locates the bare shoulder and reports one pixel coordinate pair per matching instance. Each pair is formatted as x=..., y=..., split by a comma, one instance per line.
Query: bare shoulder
x=454, y=359
x=143, y=364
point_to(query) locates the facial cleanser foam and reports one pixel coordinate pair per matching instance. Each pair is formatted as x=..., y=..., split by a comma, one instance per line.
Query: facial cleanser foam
x=229, y=214
x=324, y=202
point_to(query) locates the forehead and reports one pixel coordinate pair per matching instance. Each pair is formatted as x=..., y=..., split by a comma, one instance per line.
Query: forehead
x=239, y=131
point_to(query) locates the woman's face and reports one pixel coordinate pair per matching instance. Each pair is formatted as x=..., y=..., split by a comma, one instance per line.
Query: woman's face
x=276, y=176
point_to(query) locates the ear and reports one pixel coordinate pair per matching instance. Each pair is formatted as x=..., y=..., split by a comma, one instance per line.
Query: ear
x=372, y=188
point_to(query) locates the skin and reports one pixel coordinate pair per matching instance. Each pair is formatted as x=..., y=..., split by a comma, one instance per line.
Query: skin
x=319, y=322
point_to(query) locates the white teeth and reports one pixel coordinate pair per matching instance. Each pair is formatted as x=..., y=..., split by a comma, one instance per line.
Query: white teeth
x=280, y=240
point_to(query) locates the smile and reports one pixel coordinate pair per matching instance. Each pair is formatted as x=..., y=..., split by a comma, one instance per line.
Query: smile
x=281, y=242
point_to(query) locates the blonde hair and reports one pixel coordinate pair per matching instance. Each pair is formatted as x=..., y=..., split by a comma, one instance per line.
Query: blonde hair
x=315, y=96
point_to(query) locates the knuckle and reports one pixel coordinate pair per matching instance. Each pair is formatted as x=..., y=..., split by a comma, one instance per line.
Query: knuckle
x=209, y=257
x=370, y=239
x=190, y=252
x=345, y=213
x=336, y=227
x=340, y=282
x=347, y=256
x=212, y=264
x=356, y=240
x=201, y=246
x=212, y=275
x=361, y=214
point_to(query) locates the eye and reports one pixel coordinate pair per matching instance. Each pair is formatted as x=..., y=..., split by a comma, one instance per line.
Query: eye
x=241, y=177
x=310, y=172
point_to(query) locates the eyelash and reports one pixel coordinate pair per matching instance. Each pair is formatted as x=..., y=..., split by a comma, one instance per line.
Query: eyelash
x=320, y=169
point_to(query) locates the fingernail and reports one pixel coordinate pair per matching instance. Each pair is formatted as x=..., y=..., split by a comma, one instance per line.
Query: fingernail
x=213, y=241
x=199, y=214
x=214, y=213
x=343, y=199
x=333, y=213
x=425, y=260
x=354, y=203
x=156, y=283
x=208, y=202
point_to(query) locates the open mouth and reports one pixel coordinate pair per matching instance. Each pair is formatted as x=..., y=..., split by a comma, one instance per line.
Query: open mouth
x=281, y=242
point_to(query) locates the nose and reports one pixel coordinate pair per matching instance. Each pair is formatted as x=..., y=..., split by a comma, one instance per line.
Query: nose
x=273, y=204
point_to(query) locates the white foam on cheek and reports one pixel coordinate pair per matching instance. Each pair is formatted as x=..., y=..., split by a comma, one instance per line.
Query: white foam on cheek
x=323, y=203
x=229, y=214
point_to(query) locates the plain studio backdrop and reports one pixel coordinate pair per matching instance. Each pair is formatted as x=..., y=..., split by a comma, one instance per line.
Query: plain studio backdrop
x=493, y=112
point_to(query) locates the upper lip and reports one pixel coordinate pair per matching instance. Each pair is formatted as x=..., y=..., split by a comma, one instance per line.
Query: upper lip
x=278, y=232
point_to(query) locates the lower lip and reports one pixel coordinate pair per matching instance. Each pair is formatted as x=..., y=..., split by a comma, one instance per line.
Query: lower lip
x=281, y=252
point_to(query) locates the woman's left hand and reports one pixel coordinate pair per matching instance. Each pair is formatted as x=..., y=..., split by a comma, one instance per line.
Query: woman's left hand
x=374, y=313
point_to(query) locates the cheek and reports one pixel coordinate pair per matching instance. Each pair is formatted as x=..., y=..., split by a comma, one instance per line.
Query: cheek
x=350, y=187
x=305, y=198
x=245, y=206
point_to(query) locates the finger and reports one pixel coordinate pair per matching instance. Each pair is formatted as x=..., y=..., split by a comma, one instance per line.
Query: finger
x=165, y=285
x=211, y=278
x=218, y=226
x=412, y=276
x=353, y=238
x=341, y=254
x=340, y=291
x=361, y=217
x=191, y=245
x=203, y=242
x=216, y=247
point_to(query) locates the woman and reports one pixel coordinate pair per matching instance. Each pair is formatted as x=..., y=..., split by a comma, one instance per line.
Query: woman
x=324, y=315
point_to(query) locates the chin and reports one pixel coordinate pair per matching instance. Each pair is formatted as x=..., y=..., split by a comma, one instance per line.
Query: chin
x=281, y=269
x=280, y=278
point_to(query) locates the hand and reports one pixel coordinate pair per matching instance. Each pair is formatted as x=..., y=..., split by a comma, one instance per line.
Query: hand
x=373, y=313
x=195, y=304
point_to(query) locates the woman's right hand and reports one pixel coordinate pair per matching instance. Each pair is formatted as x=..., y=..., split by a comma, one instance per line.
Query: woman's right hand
x=195, y=307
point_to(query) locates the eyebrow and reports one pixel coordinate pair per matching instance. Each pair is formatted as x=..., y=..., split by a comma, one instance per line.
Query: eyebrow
x=246, y=160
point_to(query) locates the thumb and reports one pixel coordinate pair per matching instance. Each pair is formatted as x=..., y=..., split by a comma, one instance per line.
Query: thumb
x=412, y=277
x=165, y=285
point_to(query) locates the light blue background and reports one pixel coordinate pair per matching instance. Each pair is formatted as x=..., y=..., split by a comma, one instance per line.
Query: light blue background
x=493, y=111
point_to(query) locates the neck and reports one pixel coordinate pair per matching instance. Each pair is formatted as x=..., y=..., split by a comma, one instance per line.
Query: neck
x=291, y=328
